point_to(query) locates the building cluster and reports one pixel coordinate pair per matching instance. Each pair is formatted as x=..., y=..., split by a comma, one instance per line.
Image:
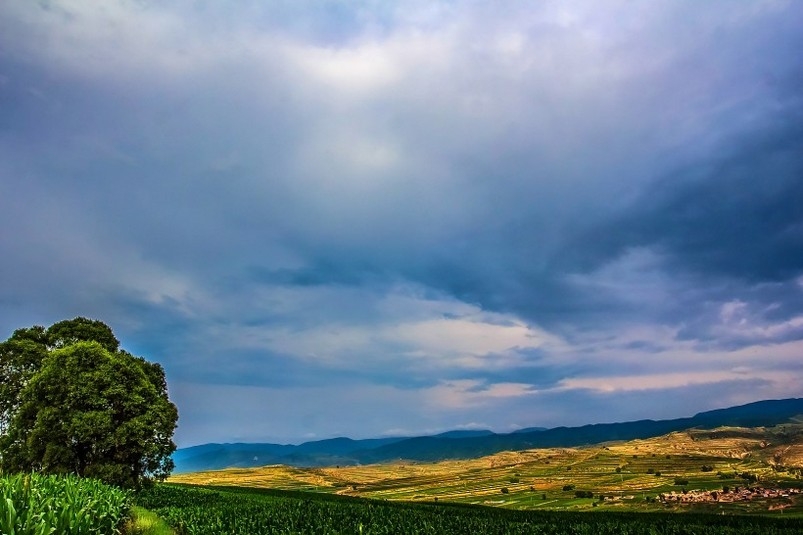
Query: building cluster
x=738, y=494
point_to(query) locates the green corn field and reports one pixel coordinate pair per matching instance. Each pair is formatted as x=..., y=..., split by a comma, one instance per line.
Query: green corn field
x=239, y=511
x=31, y=504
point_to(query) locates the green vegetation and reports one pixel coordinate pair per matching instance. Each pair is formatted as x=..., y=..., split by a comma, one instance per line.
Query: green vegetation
x=31, y=504
x=144, y=522
x=72, y=402
x=238, y=511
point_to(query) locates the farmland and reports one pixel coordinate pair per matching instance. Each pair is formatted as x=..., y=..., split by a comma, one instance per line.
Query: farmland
x=238, y=511
x=629, y=475
x=736, y=481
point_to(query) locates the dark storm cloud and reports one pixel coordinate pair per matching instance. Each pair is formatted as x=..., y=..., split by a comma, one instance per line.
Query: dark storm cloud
x=735, y=216
x=730, y=224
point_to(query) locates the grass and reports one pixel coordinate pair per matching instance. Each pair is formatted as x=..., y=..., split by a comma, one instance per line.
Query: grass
x=144, y=522
x=535, y=478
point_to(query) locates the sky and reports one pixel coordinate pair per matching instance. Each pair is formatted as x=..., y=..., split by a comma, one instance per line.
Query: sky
x=371, y=218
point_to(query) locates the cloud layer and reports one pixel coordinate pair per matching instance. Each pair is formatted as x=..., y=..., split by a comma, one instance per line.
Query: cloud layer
x=363, y=218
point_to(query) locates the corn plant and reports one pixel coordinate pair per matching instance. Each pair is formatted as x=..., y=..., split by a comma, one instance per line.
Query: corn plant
x=31, y=504
x=240, y=511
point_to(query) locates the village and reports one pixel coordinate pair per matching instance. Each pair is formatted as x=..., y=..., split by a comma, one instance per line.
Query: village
x=726, y=495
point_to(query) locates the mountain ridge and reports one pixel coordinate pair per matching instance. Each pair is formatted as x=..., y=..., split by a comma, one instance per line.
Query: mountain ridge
x=471, y=443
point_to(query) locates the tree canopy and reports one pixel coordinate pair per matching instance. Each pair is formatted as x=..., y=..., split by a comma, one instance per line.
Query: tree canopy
x=71, y=401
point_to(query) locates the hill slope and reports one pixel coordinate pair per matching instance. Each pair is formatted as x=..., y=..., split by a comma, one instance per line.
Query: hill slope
x=462, y=444
x=723, y=459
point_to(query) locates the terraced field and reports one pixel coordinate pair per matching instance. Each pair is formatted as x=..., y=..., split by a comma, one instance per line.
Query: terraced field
x=628, y=474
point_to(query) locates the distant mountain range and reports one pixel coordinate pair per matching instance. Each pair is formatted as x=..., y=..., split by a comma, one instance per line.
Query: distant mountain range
x=467, y=444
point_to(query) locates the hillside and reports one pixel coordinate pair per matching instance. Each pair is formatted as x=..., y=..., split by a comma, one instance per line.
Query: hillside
x=471, y=444
x=625, y=473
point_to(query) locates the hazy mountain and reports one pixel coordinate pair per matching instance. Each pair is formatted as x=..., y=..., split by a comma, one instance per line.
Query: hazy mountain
x=465, y=433
x=327, y=452
x=530, y=429
x=471, y=443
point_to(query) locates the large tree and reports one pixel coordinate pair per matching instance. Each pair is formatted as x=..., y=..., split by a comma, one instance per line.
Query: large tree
x=71, y=401
x=20, y=358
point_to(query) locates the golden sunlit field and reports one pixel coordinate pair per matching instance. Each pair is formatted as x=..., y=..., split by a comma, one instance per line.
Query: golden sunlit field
x=624, y=475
